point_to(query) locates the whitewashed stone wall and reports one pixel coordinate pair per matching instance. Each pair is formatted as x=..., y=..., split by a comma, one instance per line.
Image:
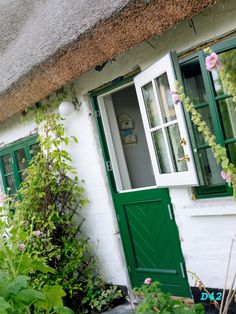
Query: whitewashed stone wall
x=205, y=226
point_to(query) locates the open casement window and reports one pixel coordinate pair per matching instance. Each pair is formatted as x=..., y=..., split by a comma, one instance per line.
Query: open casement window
x=164, y=126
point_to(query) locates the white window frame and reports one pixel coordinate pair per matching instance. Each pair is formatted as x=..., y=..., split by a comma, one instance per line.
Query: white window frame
x=185, y=178
x=119, y=167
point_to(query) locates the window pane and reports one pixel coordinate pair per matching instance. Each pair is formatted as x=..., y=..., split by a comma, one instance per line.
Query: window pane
x=161, y=152
x=206, y=116
x=228, y=60
x=210, y=169
x=232, y=152
x=22, y=175
x=228, y=117
x=34, y=149
x=176, y=148
x=11, y=184
x=165, y=99
x=150, y=104
x=7, y=164
x=193, y=83
x=21, y=159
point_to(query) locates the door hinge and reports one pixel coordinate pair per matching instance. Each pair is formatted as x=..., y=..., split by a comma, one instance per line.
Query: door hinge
x=170, y=211
x=108, y=165
x=182, y=270
x=118, y=217
x=97, y=113
x=128, y=268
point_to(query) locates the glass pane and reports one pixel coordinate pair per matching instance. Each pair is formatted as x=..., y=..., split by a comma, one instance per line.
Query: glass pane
x=34, y=149
x=161, y=152
x=165, y=99
x=232, y=152
x=176, y=148
x=228, y=117
x=11, y=184
x=210, y=169
x=150, y=104
x=206, y=116
x=7, y=164
x=228, y=60
x=21, y=159
x=193, y=83
x=22, y=175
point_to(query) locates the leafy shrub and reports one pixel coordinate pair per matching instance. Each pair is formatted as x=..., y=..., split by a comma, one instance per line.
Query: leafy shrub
x=44, y=233
x=17, y=297
x=156, y=301
x=99, y=295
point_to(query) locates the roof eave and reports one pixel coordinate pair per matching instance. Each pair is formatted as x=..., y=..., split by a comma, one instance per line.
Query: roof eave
x=131, y=26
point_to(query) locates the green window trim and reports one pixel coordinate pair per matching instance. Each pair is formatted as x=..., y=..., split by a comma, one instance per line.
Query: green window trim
x=11, y=166
x=212, y=104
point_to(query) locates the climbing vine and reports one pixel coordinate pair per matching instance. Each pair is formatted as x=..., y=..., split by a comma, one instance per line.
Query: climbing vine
x=46, y=221
x=212, y=61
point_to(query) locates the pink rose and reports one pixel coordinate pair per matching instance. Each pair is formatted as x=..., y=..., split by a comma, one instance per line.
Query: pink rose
x=175, y=97
x=225, y=176
x=148, y=281
x=212, y=61
x=37, y=233
x=3, y=197
x=21, y=247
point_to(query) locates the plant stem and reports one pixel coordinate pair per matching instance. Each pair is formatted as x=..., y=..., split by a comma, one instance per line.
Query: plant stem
x=226, y=276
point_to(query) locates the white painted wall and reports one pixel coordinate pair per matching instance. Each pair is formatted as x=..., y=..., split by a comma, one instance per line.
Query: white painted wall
x=206, y=226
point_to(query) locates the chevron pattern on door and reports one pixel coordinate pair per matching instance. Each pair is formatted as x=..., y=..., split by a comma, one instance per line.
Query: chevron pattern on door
x=148, y=228
x=151, y=240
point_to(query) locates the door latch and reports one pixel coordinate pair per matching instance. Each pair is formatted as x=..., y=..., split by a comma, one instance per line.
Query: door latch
x=170, y=211
x=184, y=158
x=108, y=165
x=183, y=141
x=182, y=270
x=97, y=113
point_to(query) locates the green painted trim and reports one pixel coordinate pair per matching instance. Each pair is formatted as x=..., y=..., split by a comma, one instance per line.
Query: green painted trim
x=122, y=199
x=10, y=149
x=118, y=82
x=221, y=190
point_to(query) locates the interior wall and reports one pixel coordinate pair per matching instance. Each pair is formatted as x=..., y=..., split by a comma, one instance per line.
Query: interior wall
x=136, y=155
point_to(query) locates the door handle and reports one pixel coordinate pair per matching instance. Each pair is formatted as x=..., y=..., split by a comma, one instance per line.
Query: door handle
x=184, y=158
x=182, y=270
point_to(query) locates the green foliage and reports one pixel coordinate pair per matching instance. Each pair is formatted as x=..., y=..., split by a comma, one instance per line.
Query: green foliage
x=156, y=301
x=47, y=208
x=100, y=295
x=17, y=297
x=43, y=236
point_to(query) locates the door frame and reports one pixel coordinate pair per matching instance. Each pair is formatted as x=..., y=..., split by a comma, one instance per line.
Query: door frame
x=110, y=175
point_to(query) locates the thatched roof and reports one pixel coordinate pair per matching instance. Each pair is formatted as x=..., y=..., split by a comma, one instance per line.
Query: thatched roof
x=46, y=43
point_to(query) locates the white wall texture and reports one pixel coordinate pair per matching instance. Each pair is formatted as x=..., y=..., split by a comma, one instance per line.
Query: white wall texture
x=205, y=226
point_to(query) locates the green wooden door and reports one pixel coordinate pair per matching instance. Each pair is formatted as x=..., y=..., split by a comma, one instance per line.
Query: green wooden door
x=147, y=227
x=150, y=239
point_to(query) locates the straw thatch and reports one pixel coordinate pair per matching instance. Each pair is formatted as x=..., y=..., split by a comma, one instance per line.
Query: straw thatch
x=46, y=43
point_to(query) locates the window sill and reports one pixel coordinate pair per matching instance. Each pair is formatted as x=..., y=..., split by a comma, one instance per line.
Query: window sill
x=211, y=207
